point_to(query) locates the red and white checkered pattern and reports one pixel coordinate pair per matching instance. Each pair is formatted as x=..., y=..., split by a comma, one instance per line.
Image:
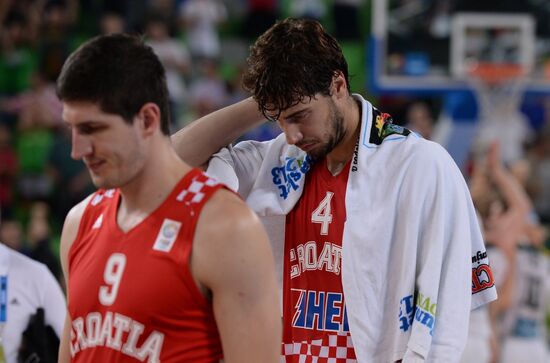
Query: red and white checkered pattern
x=194, y=193
x=331, y=349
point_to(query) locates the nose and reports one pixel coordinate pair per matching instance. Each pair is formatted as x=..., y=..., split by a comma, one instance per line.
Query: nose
x=81, y=145
x=292, y=133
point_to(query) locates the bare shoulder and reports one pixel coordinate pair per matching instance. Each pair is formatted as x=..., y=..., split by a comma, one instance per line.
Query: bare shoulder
x=72, y=220
x=224, y=212
x=70, y=230
x=228, y=234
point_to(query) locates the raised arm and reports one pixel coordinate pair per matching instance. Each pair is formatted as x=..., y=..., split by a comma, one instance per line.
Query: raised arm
x=232, y=258
x=199, y=140
x=68, y=235
x=513, y=193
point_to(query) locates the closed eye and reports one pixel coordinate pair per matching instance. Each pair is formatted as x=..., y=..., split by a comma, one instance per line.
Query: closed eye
x=89, y=128
x=298, y=116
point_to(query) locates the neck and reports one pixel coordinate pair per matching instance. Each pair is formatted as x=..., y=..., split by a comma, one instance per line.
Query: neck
x=150, y=188
x=343, y=152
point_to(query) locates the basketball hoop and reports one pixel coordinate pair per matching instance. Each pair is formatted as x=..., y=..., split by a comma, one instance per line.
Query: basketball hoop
x=495, y=55
x=499, y=89
x=498, y=86
x=495, y=73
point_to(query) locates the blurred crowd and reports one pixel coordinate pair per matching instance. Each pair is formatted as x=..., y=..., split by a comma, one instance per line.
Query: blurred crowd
x=203, y=45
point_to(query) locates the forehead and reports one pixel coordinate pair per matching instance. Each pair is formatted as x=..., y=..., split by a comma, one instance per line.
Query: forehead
x=77, y=112
x=306, y=103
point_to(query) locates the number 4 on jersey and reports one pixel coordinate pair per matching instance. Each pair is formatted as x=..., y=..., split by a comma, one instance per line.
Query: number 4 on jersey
x=322, y=214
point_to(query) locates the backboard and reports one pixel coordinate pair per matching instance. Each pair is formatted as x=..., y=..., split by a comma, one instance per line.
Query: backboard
x=429, y=46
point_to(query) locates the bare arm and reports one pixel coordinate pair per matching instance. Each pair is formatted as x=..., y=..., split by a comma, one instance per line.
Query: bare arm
x=515, y=196
x=68, y=235
x=199, y=140
x=504, y=230
x=507, y=290
x=234, y=260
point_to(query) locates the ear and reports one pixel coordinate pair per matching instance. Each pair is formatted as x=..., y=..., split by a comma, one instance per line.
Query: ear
x=149, y=117
x=339, y=86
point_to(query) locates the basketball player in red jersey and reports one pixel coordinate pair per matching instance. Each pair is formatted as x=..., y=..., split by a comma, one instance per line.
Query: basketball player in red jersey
x=380, y=254
x=162, y=263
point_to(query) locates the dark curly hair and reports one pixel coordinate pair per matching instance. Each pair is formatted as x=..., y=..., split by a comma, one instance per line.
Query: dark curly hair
x=120, y=73
x=294, y=59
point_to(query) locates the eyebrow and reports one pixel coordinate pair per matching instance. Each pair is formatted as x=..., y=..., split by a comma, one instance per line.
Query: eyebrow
x=297, y=113
x=83, y=123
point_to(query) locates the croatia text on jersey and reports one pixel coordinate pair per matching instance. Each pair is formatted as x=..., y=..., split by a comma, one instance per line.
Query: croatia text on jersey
x=306, y=257
x=117, y=332
x=320, y=310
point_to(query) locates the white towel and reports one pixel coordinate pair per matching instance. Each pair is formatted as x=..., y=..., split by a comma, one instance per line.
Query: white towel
x=407, y=266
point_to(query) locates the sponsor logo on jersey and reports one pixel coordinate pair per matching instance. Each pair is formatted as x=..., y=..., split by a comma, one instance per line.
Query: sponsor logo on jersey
x=287, y=176
x=422, y=310
x=383, y=127
x=482, y=278
x=479, y=256
x=97, y=330
x=355, y=162
x=320, y=310
x=167, y=235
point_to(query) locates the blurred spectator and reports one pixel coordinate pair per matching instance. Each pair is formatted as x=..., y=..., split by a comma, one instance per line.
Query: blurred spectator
x=539, y=183
x=11, y=234
x=37, y=107
x=34, y=309
x=38, y=111
x=111, y=23
x=519, y=266
x=60, y=17
x=71, y=180
x=39, y=239
x=176, y=61
x=164, y=9
x=17, y=58
x=235, y=91
x=310, y=9
x=419, y=119
x=440, y=19
x=535, y=233
x=33, y=148
x=208, y=91
x=261, y=15
x=8, y=171
x=200, y=19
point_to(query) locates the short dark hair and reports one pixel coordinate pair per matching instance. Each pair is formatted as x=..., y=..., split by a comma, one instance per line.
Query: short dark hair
x=294, y=59
x=120, y=73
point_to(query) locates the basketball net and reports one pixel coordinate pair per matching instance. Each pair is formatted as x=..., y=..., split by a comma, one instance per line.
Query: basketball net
x=498, y=87
x=499, y=90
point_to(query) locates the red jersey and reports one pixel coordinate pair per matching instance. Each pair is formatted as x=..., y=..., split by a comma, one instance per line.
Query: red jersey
x=132, y=296
x=315, y=327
